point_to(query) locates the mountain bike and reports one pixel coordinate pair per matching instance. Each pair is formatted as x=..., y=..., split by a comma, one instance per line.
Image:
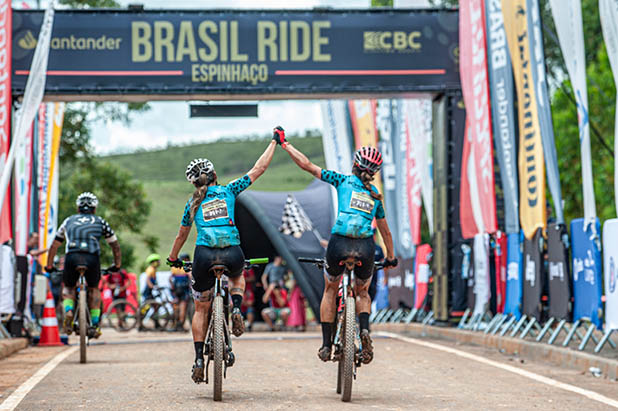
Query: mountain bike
x=155, y=313
x=347, y=342
x=121, y=314
x=218, y=346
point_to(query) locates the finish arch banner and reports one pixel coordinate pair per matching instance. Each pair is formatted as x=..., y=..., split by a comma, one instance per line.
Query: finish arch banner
x=587, y=287
x=514, y=279
x=482, y=289
x=559, y=272
x=533, y=275
x=610, y=270
x=189, y=53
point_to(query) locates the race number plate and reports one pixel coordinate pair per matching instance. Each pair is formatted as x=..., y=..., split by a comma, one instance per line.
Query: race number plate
x=361, y=201
x=214, y=209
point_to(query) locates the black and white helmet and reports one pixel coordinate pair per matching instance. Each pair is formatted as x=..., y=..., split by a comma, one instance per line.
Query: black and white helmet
x=86, y=200
x=198, y=167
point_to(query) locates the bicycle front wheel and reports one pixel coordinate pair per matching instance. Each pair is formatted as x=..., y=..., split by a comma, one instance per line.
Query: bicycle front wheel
x=154, y=315
x=218, y=346
x=122, y=315
x=348, y=349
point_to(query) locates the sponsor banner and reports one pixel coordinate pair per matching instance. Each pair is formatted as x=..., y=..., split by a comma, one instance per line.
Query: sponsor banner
x=587, y=286
x=533, y=275
x=503, y=112
x=336, y=138
x=413, y=183
x=514, y=279
x=608, y=10
x=537, y=59
x=559, y=272
x=482, y=289
x=43, y=153
x=54, y=119
x=569, y=27
x=401, y=285
x=419, y=116
x=475, y=88
x=461, y=270
x=422, y=274
x=5, y=110
x=500, y=263
x=22, y=185
x=241, y=52
x=532, y=210
x=403, y=234
x=610, y=267
x=363, y=119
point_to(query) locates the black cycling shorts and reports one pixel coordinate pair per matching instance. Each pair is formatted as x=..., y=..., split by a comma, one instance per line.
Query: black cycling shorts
x=205, y=257
x=93, y=273
x=340, y=248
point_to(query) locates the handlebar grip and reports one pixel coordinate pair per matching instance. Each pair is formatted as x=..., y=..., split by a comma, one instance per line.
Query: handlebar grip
x=253, y=261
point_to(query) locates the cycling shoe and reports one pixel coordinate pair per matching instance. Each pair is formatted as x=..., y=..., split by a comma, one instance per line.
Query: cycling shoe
x=324, y=353
x=68, y=322
x=197, y=372
x=238, y=323
x=367, y=353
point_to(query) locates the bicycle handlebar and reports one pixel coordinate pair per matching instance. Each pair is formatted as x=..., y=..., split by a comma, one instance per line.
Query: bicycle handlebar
x=189, y=264
x=320, y=262
x=254, y=261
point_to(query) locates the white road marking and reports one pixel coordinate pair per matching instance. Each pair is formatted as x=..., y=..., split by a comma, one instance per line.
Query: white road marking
x=15, y=398
x=536, y=377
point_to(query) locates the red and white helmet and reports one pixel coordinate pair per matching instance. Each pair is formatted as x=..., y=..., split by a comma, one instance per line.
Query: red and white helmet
x=368, y=159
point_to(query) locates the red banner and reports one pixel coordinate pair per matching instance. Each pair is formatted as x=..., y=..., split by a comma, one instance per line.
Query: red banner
x=5, y=109
x=414, y=188
x=421, y=275
x=500, y=254
x=477, y=173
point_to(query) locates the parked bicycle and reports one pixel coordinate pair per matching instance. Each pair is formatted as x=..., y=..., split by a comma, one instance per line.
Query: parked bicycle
x=122, y=315
x=218, y=346
x=156, y=313
x=347, y=341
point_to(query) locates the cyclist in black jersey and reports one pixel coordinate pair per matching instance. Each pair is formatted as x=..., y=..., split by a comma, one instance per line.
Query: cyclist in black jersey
x=82, y=232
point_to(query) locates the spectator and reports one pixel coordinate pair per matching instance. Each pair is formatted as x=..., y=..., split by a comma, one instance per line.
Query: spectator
x=180, y=282
x=33, y=245
x=278, y=309
x=297, y=318
x=274, y=273
x=153, y=261
x=248, y=301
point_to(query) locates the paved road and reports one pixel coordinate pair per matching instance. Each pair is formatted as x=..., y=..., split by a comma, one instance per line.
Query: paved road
x=281, y=371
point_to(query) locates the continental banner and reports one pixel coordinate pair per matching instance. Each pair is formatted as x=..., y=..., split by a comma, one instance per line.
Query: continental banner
x=503, y=112
x=532, y=213
x=478, y=150
x=246, y=52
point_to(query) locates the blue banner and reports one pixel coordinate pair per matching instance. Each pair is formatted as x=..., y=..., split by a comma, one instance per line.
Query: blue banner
x=514, y=280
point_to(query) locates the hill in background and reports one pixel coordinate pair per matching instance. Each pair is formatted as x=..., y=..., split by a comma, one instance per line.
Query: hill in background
x=163, y=174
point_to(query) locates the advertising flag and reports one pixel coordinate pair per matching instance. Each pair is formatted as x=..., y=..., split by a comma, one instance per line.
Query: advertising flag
x=419, y=116
x=482, y=289
x=21, y=187
x=610, y=271
x=532, y=210
x=402, y=229
x=568, y=19
x=5, y=109
x=587, y=280
x=363, y=118
x=413, y=184
x=336, y=140
x=537, y=58
x=479, y=171
x=503, y=112
x=608, y=10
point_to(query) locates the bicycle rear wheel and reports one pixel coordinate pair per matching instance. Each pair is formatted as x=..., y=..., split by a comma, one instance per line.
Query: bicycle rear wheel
x=348, y=349
x=83, y=324
x=153, y=314
x=121, y=315
x=218, y=346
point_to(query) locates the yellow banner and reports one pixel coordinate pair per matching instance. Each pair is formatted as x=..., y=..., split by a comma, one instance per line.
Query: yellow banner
x=363, y=115
x=56, y=110
x=532, y=207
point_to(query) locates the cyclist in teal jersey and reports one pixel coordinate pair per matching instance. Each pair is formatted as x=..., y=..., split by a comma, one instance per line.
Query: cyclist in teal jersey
x=359, y=202
x=211, y=208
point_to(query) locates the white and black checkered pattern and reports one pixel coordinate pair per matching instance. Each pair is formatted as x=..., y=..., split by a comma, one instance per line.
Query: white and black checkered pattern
x=294, y=220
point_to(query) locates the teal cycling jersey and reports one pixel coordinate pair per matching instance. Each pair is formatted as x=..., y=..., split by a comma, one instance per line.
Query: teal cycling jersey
x=356, y=207
x=214, y=218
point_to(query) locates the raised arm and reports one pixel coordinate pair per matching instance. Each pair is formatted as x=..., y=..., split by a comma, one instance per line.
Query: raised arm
x=263, y=162
x=302, y=161
x=385, y=232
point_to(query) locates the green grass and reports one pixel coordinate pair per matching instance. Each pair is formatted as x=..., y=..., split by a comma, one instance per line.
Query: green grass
x=162, y=173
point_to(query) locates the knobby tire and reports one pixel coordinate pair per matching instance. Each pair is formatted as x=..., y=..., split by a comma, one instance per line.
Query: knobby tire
x=83, y=324
x=218, y=347
x=348, y=349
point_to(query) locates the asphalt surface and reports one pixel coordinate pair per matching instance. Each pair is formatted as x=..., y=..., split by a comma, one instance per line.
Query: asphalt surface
x=282, y=371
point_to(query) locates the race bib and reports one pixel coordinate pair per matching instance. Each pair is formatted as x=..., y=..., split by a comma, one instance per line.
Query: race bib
x=362, y=202
x=214, y=209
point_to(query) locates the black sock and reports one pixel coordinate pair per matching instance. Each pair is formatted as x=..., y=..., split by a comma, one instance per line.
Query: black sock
x=199, y=350
x=236, y=300
x=363, y=319
x=327, y=334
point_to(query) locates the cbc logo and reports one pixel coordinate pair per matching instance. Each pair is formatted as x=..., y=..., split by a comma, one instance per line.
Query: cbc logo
x=391, y=41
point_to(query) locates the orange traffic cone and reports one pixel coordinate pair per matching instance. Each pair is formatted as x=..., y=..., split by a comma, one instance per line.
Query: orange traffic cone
x=49, y=331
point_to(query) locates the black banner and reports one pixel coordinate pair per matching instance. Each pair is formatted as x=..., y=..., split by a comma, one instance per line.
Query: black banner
x=559, y=272
x=533, y=275
x=401, y=285
x=249, y=52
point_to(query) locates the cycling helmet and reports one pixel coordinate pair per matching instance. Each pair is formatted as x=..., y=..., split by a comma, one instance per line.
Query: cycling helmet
x=198, y=167
x=153, y=257
x=86, y=200
x=368, y=159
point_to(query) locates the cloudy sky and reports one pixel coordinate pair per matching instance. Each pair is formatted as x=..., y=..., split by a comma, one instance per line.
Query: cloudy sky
x=169, y=122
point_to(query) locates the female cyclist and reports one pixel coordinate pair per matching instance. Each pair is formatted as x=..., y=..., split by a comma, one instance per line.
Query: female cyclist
x=359, y=203
x=218, y=242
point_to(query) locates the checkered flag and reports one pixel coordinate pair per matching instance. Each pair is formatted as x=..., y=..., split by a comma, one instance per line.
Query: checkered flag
x=294, y=220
